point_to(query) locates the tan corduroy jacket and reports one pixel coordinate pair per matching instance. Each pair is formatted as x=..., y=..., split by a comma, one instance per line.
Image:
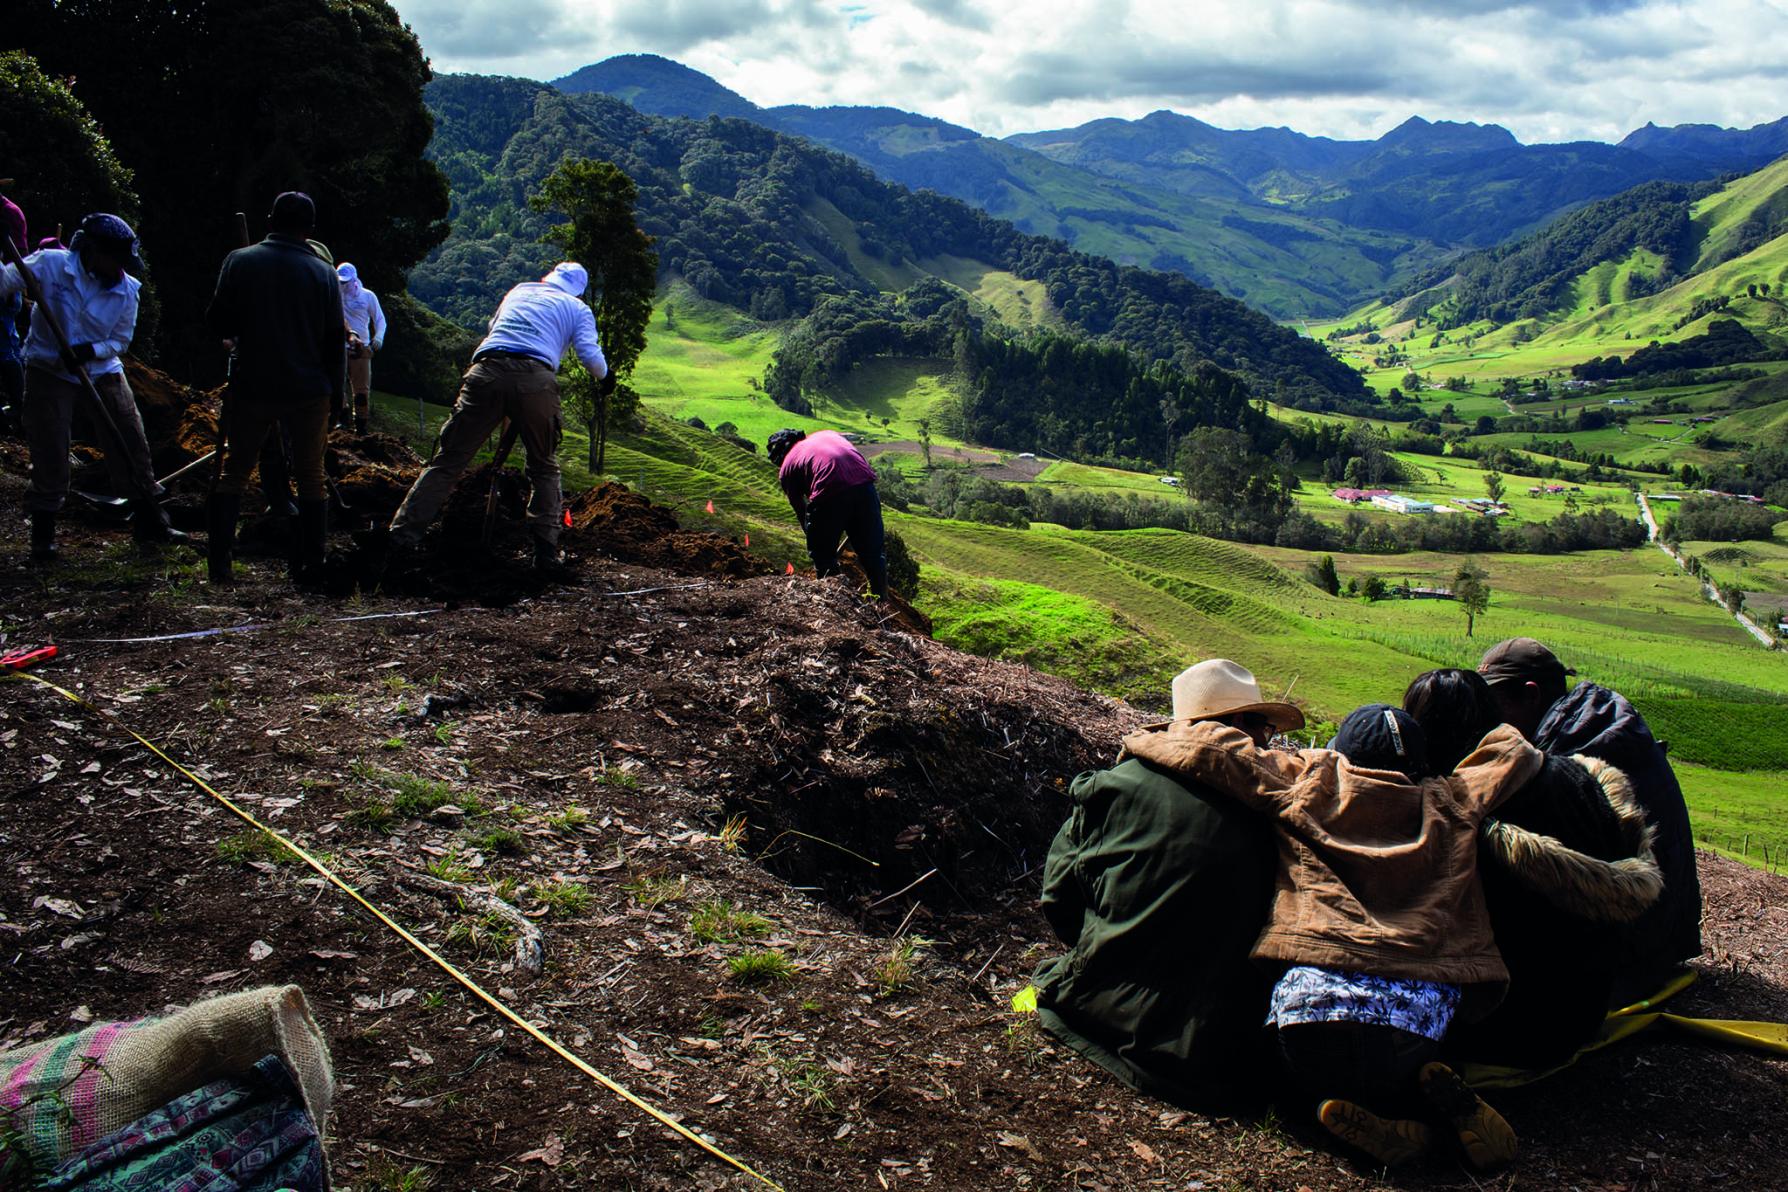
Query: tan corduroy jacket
x=1375, y=874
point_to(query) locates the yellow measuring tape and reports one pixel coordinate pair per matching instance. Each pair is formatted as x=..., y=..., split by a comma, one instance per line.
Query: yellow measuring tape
x=477, y=990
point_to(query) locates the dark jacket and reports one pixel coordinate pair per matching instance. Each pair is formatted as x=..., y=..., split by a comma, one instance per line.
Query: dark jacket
x=1565, y=860
x=1159, y=890
x=282, y=305
x=1595, y=722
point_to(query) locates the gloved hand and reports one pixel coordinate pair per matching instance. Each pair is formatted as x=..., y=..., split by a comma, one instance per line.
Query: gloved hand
x=607, y=384
x=77, y=355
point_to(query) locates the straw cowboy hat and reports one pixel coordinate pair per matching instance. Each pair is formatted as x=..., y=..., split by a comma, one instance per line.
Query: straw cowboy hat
x=1218, y=687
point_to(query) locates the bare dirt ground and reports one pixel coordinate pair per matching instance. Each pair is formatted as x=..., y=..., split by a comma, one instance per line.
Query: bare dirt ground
x=671, y=770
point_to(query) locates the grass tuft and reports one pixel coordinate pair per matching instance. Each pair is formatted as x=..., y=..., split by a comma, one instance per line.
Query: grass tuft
x=563, y=899
x=720, y=921
x=254, y=845
x=767, y=966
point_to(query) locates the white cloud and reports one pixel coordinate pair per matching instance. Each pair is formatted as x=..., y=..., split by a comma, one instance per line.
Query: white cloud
x=1547, y=69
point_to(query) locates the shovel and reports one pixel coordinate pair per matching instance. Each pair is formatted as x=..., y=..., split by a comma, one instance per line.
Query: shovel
x=510, y=430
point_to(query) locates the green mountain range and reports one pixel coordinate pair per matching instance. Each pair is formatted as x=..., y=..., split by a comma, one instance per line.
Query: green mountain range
x=771, y=225
x=1294, y=225
x=1285, y=263
x=1452, y=183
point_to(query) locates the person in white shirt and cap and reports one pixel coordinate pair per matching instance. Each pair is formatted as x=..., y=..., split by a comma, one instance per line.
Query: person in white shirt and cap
x=366, y=334
x=87, y=290
x=514, y=375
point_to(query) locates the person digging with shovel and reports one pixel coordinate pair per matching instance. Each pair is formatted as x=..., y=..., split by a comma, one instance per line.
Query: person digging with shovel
x=831, y=488
x=84, y=316
x=514, y=376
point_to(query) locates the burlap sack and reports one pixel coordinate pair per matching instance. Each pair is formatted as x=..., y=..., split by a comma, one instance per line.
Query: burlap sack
x=60, y=1096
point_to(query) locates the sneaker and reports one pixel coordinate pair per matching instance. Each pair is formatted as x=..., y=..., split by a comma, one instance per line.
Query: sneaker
x=1391, y=1141
x=1487, y=1139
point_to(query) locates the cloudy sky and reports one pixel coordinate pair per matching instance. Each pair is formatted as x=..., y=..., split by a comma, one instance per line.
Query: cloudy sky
x=1547, y=69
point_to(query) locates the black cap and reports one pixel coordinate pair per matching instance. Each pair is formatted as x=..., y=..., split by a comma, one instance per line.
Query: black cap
x=293, y=211
x=778, y=445
x=1380, y=737
x=1521, y=660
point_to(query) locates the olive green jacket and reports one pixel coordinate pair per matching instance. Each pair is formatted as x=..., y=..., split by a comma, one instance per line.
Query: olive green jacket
x=1159, y=890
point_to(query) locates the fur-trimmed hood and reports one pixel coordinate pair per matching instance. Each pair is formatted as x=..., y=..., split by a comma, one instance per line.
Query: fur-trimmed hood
x=1604, y=891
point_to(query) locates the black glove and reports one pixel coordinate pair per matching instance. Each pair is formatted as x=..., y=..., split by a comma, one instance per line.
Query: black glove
x=607, y=384
x=77, y=355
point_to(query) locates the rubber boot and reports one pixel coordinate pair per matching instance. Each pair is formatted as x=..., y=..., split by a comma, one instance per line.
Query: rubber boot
x=309, y=545
x=359, y=426
x=276, y=478
x=221, y=540
x=43, y=537
x=549, y=561
x=149, y=522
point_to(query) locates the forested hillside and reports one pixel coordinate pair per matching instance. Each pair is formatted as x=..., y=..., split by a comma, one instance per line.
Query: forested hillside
x=1532, y=276
x=1636, y=244
x=770, y=224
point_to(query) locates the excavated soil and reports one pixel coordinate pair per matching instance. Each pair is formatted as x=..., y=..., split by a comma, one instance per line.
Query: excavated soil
x=671, y=768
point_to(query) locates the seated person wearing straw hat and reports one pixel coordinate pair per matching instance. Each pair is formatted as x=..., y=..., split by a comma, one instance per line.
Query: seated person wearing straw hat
x=1159, y=889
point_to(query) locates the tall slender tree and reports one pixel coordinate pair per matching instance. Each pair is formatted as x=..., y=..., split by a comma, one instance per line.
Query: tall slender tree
x=600, y=234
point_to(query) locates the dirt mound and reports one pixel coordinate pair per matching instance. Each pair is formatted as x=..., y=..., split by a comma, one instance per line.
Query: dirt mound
x=616, y=521
x=179, y=421
x=372, y=472
x=875, y=759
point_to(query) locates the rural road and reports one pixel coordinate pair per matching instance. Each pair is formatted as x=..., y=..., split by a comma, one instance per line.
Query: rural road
x=1651, y=528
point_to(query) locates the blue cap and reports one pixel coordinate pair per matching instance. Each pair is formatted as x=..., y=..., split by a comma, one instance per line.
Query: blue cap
x=110, y=233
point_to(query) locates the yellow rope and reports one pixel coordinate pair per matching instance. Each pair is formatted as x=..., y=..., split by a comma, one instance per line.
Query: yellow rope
x=477, y=990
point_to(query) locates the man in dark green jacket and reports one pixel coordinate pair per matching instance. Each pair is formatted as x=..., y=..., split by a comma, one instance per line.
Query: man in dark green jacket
x=1159, y=891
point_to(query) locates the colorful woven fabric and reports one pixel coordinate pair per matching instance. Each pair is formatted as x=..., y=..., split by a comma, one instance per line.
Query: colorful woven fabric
x=250, y=1134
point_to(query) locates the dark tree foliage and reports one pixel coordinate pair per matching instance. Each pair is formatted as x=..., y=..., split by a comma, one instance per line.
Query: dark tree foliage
x=218, y=105
x=61, y=163
x=772, y=225
x=1726, y=341
x=1719, y=519
x=1531, y=277
x=1029, y=391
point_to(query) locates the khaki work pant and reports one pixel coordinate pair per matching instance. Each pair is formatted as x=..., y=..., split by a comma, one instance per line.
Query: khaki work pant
x=248, y=422
x=51, y=405
x=527, y=393
x=360, y=380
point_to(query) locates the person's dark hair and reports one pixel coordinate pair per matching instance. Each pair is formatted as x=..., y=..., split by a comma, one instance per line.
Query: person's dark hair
x=1455, y=708
x=293, y=214
x=781, y=443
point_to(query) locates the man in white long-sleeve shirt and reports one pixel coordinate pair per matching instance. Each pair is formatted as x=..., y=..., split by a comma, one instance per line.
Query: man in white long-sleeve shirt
x=85, y=287
x=366, y=334
x=514, y=374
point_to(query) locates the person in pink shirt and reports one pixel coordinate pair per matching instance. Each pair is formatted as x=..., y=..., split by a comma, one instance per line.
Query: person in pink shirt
x=831, y=488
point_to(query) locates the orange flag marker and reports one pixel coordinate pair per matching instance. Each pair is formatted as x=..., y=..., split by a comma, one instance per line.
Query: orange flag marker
x=710, y=504
x=791, y=569
x=747, y=542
